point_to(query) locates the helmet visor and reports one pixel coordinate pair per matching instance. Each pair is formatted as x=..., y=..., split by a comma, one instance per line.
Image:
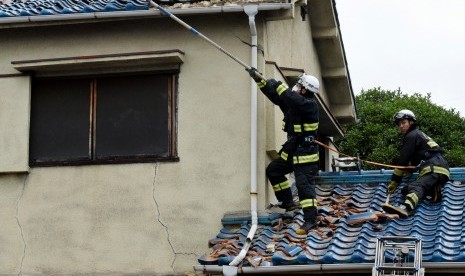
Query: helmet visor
x=399, y=116
x=403, y=115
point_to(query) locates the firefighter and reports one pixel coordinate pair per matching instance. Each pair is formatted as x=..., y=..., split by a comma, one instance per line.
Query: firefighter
x=424, y=153
x=298, y=154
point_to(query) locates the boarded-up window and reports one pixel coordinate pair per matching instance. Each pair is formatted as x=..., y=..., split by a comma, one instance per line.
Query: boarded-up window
x=103, y=119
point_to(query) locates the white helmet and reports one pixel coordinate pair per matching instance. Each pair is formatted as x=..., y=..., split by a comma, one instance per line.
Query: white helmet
x=404, y=114
x=310, y=83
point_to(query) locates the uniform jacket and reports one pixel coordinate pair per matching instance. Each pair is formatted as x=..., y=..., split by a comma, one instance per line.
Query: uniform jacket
x=420, y=150
x=300, y=121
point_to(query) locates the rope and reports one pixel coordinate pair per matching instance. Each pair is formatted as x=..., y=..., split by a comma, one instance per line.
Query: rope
x=365, y=161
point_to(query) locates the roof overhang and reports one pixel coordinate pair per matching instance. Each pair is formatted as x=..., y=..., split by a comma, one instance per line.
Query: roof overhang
x=76, y=18
x=330, y=48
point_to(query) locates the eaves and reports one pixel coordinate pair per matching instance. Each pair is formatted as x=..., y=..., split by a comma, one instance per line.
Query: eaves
x=87, y=16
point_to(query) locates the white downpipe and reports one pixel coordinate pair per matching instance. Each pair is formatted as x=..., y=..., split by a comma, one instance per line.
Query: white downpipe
x=251, y=11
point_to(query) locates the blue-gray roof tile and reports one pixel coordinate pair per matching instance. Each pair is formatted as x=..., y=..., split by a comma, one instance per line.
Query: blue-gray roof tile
x=440, y=226
x=57, y=7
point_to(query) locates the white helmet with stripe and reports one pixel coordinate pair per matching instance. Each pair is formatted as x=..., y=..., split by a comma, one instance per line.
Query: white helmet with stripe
x=404, y=114
x=310, y=83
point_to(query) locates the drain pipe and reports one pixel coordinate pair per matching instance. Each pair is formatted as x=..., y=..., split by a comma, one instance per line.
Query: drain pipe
x=251, y=11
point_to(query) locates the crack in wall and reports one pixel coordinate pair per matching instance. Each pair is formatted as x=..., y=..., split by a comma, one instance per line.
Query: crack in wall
x=20, y=226
x=159, y=216
x=162, y=223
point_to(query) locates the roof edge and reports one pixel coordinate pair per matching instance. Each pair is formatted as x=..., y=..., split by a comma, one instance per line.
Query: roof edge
x=79, y=17
x=458, y=267
x=374, y=176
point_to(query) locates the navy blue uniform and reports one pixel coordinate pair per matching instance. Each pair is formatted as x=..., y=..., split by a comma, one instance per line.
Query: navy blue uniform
x=298, y=154
x=420, y=150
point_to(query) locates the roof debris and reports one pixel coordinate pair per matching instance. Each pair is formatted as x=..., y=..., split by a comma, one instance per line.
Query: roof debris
x=350, y=221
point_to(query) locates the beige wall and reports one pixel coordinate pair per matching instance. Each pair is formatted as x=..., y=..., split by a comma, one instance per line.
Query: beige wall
x=141, y=218
x=14, y=123
x=290, y=44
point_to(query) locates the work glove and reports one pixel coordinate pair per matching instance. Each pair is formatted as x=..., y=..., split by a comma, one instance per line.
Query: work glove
x=391, y=188
x=254, y=74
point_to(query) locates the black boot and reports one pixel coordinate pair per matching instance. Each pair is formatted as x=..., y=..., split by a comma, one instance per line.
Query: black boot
x=290, y=206
x=306, y=227
x=402, y=210
x=436, y=193
x=310, y=214
x=287, y=202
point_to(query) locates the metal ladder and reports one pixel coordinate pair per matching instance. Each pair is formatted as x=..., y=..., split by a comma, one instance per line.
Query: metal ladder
x=398, y=256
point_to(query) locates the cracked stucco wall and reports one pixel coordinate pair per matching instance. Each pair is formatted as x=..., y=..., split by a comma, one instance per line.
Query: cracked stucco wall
x=94, y=219
x=153, y=218
x=11, y=241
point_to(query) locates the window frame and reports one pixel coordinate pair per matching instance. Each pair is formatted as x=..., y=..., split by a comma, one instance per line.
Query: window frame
x=172, y=102
x=160, y=61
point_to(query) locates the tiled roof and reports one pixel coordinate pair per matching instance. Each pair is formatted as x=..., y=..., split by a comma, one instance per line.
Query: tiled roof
x=53, y=7
x=14, y=8
x=350, y=223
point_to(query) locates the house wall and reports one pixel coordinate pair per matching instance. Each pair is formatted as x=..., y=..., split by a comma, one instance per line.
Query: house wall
x=138, y=218
x=289, y=44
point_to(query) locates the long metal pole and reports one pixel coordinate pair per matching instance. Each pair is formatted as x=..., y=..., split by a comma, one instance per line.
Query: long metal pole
x=197, y=33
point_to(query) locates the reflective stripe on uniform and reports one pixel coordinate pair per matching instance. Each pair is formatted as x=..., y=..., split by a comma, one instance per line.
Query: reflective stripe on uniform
x=411, y=200
x=312, y=202
x=432, y=144
x=281, y=88
x=435, y=169
x=302, y=159
x=261, y=84
x=284, y=155
x=306, y=127
x=311, y=127
x=281, y=186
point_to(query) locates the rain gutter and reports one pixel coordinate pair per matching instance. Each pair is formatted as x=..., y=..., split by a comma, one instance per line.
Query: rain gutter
x=445, y=267
x=139, y=14
x=288, y=269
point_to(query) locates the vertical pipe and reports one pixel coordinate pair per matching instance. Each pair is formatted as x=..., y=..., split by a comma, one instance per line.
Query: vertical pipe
x=251, y=11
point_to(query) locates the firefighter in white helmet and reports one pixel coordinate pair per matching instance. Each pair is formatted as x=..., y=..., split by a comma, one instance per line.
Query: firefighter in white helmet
x=424, y=153
x=299, y=154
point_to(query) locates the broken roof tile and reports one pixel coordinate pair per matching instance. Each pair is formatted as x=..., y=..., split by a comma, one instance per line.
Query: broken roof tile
x=351, y=220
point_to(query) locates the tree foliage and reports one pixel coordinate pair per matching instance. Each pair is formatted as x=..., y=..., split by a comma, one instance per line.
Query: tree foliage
x=377, y=139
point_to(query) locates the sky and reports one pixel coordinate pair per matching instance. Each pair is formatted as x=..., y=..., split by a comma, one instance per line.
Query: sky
x=415, y=45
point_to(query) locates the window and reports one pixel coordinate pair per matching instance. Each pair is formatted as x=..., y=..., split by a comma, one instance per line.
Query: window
x=103, y=119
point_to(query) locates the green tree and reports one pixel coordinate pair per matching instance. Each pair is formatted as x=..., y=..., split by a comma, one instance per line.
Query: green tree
x=375, y=137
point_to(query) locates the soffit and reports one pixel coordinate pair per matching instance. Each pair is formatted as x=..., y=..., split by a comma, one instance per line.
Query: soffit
x=329, y=46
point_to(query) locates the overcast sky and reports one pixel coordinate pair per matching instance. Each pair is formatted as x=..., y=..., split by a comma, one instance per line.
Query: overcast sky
x=414, y=45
